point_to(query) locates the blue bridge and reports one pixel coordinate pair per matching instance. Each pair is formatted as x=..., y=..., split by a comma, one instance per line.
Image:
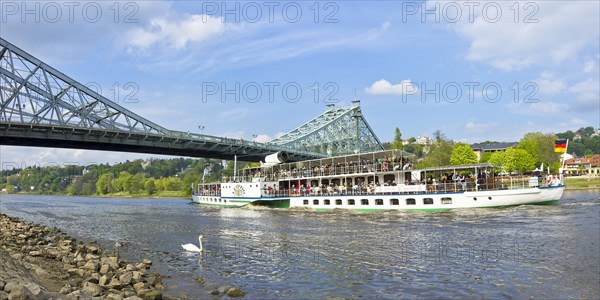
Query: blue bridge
x=42, y=107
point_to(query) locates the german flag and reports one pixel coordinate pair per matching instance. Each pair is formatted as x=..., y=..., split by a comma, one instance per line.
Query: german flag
x=560, y=146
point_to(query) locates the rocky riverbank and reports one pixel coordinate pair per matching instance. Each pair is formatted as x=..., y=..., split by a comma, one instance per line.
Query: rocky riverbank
x=39, y=262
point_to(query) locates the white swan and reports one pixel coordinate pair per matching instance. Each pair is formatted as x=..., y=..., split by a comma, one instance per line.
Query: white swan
x=192, y=247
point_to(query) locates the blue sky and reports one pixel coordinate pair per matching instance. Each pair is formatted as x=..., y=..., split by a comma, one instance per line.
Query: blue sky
x=419, y=66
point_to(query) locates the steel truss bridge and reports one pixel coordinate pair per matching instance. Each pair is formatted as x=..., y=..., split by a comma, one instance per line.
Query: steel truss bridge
x=42, y=107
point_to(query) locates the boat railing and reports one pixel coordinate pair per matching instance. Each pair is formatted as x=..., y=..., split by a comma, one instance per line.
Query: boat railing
x=482, y=184
x=324, y=171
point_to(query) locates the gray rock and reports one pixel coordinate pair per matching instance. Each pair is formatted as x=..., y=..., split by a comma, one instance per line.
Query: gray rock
x=213, y=292
x=134, y=297
x=78, y=295
x=77, y=271
x=92, y=289
x=114, y=283
x=126, y=278
x=150, y=294
x=35, y=253
x=105, y=268
x=91, y=265
x=147, y=262
x=9, y=286
x=139, y=286
x=104, y=280
x=235, y=292
x=114, y=297
x=66, y=289
x=2, y=285
x=34, y=291
x=41, y=272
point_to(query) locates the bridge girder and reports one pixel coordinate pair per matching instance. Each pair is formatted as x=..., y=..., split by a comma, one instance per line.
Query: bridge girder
x=338, y=131
x=41, y=106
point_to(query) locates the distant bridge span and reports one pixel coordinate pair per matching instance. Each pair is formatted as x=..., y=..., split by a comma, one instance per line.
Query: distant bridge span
x=42, y=107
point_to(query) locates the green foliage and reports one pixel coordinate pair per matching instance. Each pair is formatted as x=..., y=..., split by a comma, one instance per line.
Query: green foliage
x=485, y=157
x=172, y=177
x=513, y=160
x=397, y=143
x=415, y=149
x=540, y=146
x=462, y=154
x=582, y=142
x=439, y=152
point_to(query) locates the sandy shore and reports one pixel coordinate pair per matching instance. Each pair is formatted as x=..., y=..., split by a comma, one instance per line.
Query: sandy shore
x=39, y=262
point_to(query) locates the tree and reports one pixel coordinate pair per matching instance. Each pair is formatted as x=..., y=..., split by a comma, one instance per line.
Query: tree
x=462, y=154
x=439, y=152
x=150, y=186
x=513, y=160
x=485, y=157
x=540, y=146
x=397, y=143
x=104, y=184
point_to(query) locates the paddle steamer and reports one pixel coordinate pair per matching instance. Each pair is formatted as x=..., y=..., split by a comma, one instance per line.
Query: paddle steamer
x=383, y=180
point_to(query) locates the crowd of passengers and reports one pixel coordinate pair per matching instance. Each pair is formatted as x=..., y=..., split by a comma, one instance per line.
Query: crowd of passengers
x=363, y=166
x=445, y=182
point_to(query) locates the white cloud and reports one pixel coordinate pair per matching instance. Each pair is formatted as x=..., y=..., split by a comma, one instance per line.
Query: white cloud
x=549, y=85
x=474, y=127
x=588, y=95
x=384, y=87
x=21, y=157
x=262, y=138
x=547, y=107
x=590, y=66
x=175, y=31
x=562, y=30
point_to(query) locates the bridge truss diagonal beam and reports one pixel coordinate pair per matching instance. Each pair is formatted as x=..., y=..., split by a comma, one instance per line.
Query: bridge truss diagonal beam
x=41, y=106
x=338, y=131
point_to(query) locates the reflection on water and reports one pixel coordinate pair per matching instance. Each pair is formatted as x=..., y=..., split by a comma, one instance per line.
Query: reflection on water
x=517, y=252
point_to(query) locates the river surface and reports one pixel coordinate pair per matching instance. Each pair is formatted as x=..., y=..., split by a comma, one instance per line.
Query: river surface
x=550, y=251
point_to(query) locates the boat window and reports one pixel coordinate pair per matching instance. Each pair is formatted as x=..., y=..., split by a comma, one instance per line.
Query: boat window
x=225, y=201
x=378, y=201
x=305, y=202
x=338, y=202
x=411, y=201
x=351, y=202
x=446, y=200
x=316, y=202
x=427, y=201
x=327, y=202
x=220, y=200
x=394, y=202
x=364, y=201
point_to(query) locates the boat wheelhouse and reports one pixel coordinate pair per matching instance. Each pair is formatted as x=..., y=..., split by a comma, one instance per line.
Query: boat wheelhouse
x=379, y=180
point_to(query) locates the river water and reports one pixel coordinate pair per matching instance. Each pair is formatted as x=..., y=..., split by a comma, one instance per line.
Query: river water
x=548, y=251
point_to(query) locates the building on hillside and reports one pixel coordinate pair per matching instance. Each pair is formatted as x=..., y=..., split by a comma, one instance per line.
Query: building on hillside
x=479, y=149
x=423, y=140
x=583, y=166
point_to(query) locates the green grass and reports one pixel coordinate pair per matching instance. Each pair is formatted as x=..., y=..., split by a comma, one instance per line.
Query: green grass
x=582, y=183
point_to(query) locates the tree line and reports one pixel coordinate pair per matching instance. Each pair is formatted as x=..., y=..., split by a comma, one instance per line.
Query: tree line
x=157, y=177
x=138, y=177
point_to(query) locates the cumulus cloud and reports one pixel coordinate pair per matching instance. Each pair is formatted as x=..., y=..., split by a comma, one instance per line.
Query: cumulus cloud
x=384, y=87
x=174, y=31
x=549, y=85
x=262, y=138
x=548, y=107
x=513, y=44
x=474, y=127
x=588, y=95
